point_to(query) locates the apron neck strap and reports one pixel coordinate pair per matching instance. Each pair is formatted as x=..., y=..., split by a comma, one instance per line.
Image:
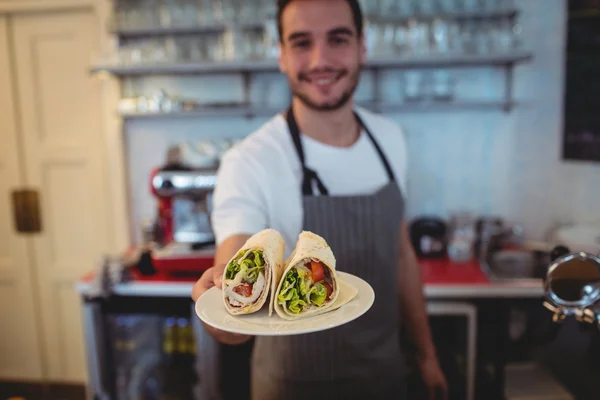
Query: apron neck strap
x=382, y=157
x=310, y=175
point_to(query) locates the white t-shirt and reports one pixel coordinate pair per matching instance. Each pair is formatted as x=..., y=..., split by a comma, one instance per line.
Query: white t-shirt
x=259, y=180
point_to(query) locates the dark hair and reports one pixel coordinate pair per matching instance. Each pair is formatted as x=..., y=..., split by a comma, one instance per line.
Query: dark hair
x=357, y=15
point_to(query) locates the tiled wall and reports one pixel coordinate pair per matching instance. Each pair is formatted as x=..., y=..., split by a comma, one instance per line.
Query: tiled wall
x=488, y=162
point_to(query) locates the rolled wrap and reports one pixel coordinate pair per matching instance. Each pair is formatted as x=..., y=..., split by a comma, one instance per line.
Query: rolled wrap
x=306, y=300
x=266, y=247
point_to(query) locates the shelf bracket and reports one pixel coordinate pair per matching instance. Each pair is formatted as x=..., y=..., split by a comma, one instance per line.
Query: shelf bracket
x=376, y=89
x=246, y=77
x=246, y=87
x=508, y=87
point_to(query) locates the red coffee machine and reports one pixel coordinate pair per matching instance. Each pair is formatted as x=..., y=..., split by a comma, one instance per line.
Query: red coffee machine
x=183, y=231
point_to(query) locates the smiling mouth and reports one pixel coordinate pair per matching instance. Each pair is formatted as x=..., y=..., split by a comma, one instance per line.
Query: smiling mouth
x=323, y=81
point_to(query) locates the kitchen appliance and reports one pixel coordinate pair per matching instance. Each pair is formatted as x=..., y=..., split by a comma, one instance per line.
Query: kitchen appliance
x=428, y=237
x=183, y=233
x=184, y=204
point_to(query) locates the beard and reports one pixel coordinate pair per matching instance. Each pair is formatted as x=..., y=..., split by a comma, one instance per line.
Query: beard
x=336, y=104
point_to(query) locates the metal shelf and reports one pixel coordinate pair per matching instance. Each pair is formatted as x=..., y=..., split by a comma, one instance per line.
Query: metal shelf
x=441, y=106
x=213, y=111
x=459, y=15
x=188, y=68
x=454, y=60
x=181, y=30
x=433, y=61
x=263, y=111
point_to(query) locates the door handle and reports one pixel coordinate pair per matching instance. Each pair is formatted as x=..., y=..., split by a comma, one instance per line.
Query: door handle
x=26, y=211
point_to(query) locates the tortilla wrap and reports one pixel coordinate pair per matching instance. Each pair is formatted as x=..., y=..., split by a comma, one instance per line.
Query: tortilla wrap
x=310, y=247
x=270, y=244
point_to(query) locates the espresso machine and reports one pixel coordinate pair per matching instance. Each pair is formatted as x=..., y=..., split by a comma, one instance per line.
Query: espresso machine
x=184, y=204
x=183, y=237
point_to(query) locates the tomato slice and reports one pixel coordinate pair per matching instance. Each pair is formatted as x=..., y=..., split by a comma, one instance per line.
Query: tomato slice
x=329, y=289
x=318, y=272
x=243, y=289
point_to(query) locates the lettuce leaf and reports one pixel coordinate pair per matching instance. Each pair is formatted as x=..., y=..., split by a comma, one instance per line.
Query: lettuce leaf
x=298, y=291
x=296, y=306
x=252, y=273
x=305, y=282
x=249, y=267
x=258, y=258
x=317, y=294
x=289, y=292
x=232, y=270
x=289, y=285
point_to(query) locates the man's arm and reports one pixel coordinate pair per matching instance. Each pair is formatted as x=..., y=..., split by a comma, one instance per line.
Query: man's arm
x=414, y=312
x=412, y=299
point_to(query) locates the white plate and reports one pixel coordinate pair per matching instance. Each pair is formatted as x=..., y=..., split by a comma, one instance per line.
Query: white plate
x=211, y=310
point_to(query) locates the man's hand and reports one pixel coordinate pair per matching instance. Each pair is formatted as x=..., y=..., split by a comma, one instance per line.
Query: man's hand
x=433, y=378
x=211, y=277
x=414, y=312
x=214, y=277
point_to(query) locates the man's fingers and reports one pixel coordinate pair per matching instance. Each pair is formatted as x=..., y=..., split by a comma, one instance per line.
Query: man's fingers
x=203, y=284
x=228, y=338
x=198, y=290
x=218, y=275
x=211, y=277
x=214, y=277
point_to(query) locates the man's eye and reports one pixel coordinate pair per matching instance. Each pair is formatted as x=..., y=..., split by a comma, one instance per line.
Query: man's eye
x=302, y=44
x=338, y=40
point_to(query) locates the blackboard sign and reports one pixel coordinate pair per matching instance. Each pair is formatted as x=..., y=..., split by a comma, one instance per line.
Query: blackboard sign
x=581, y=139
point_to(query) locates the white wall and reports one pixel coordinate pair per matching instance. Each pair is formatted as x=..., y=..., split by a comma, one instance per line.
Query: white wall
x=488, y=162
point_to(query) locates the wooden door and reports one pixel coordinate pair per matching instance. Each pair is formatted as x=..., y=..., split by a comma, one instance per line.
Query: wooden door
x=64, y=158
x=20, y=356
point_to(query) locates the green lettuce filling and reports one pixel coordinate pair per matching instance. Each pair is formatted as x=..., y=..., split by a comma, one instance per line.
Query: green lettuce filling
x=298, y=291
x=317, y=294
x=249, y=267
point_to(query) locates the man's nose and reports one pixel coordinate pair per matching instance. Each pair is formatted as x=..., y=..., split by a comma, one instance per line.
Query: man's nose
x=319, y=55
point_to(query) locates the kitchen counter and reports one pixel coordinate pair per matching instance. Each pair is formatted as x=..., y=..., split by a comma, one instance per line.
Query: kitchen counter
x=442, y=278
x=451, y=290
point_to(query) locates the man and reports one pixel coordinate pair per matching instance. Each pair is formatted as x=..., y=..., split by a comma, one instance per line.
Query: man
x=338, y=170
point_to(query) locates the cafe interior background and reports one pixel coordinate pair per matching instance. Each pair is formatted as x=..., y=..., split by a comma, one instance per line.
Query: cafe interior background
x=103, y=101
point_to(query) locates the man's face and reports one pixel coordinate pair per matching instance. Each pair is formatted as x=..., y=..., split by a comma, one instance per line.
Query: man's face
x=321, y=52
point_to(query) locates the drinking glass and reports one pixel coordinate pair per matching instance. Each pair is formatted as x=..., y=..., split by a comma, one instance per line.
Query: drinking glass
x=418, y=33
x=442, y=85
x=440, y=31
x=413, y=86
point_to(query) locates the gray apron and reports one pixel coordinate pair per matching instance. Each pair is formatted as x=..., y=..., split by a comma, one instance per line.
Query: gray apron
x=361, y=359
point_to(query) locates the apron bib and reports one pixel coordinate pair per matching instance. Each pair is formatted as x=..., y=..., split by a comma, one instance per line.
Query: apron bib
x=361, y=359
